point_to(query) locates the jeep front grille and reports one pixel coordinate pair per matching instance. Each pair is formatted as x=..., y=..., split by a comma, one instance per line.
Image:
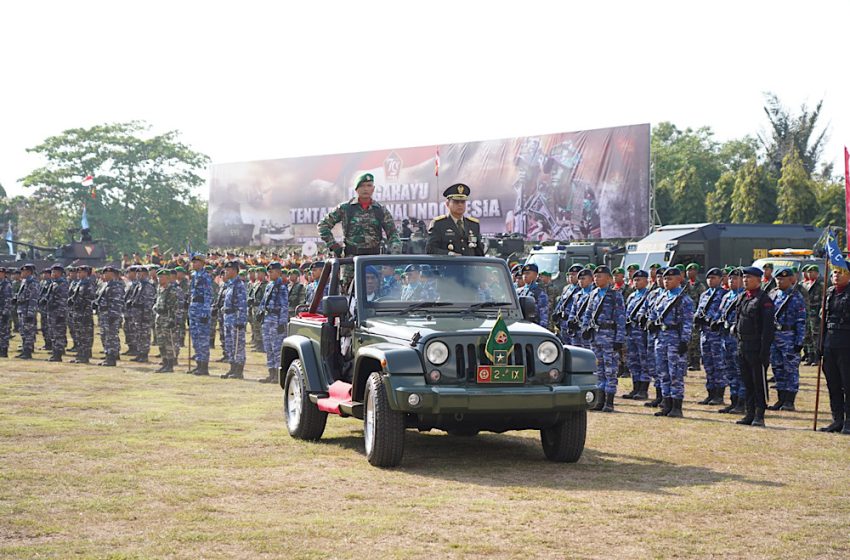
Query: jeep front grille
x=468, y=357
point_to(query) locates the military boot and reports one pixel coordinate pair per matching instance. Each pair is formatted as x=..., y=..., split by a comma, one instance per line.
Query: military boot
x=110, y=361
x=641, y=394
x=167, y=366
x=731, y=407
x=758, y=420
x=600, y=401
x=788, y=404
x=846, y=429
x=223, y=359
x=718, y=397
x=837, y=423
x=666, y=406
x=676, y=410
x=142, y=358
x=230, y=372
x=709, y=398
x=80, y=359
x=609, y=403
x=202, y=369
x=55, y=356
x=656, y=401
x=26, y=354
x=4, y=352
x=748, y=419
x=631, y=394
x=780, y=400
x=740, y=407
x=272, y=378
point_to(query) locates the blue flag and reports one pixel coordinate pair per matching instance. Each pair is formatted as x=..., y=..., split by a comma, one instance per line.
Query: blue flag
x=9, y=238
x=84, y=222
x=836, y=259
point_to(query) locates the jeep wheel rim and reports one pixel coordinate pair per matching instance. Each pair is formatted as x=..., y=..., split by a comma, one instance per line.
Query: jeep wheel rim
x=293, y=403
x=369, y=424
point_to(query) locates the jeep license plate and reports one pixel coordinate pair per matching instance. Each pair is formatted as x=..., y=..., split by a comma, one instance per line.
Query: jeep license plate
x=501, y=374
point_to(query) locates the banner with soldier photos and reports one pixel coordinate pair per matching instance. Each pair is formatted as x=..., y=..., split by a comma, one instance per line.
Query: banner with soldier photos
x=591, y=184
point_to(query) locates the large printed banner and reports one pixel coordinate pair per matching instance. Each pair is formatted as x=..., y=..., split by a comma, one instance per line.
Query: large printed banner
x=570, y=186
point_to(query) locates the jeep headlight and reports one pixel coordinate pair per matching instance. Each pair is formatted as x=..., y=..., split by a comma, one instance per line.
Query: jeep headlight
x=547, y=352
x=437, y=353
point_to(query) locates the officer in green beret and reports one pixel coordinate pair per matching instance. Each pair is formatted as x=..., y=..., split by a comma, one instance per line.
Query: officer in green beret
x=364, y=223
x=694, y=288
x=455, y=233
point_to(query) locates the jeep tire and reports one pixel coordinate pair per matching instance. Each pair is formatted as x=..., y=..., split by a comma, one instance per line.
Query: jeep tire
x=564, y=442
x=383, y=427
x=304, y=420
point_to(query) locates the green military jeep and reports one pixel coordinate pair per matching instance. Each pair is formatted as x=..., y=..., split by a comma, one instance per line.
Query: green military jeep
x=449, y=347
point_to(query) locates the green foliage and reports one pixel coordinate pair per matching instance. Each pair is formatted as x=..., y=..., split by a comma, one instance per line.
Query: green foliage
x=664, y=201
x=795, y=192
x=753, y=196
x=143, y=183
x=718, y=203
x=688, y=197
x=830, y=200
x=792, y=132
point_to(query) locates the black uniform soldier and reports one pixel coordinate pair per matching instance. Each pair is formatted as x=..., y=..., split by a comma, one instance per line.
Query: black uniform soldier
x=836, y=351
x=754, y=328
x=454, y=233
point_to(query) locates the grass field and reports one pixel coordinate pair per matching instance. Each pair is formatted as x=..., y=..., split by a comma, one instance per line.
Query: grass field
x=125, y=463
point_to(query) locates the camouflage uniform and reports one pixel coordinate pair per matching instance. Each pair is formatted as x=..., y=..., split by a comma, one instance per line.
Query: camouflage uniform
x=535, y=290
x=110, y=307
x=787, y=343
x=636, y=337
x=43, y=286
x=57, y=312
x=200, y=305
x=183, y=292
x=217, y=311
x=576, y=316
x=694, y=290
x=419, y=291
x=255, y=298
x=165, y=310
x=213, y=310
x=5, y=316
x=605, y=320
x=81, y=299
x=671, y=344
x=144, y=303
x=726, y=317
x=73, y=315
x=297, y=296
x=711, y=346
x=563, y=307
x=27, y=302
x=131, y=315
x=274, y=308
x=235, y=310
x=180, y=318
x=362, y=229
x=652, y=369
x=814, y=300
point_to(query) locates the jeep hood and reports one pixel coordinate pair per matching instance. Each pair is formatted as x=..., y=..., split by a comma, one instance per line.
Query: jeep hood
x=467, y=326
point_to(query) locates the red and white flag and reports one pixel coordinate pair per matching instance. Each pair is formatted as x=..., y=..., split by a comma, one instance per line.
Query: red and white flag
x=437, y=163
x=88, y=181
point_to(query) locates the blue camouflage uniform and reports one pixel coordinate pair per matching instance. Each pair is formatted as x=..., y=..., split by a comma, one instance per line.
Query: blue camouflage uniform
x=563, y=307
x=419, y=291
x=636, y=353
x=605, y=320
x=5, y=316
x=651, y=361
x=535, y=290
x=576, y=318
x=200, y=311
x=110, y=309
x=57, y=314
x=27, y=302
x=235, y=309
x=391, y=288
x=275, y=309
x=711, y=346
x=675, y=330
x=726, y=317
x=788, y=339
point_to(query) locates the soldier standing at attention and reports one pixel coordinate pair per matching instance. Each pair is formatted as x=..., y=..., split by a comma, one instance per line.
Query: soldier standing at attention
x=257, y=298
x=671, y=320
x=580, y=303
x=755, y=329
x=57, y=312
x=235, y=309
x=711, y=347
x=43, y=286
x=656, y=290
x=814, y=299
x=619, y=284
x=200, y=306
x=564, y=305
x=213, y=309
x=533, y=289
x=313, y=284
x=694, y=288
x=274, y=308
x=145, y=298
x=726, y=318
x=297, y=291
x=605, y=320
x=182, y=283
x=455, y=233
x=790, y=324
x=84, y=294
x=71, y=275
x=131, y=312
x=768, y=283
x=5, y=313
x=363, y=221
x=27, y=302
x=110, y=307
x=636, y=337
x=165, y=310
x=836, y=351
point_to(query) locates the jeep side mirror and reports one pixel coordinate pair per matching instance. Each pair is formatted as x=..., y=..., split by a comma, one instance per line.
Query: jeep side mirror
x=335, y=306
x=529, y=309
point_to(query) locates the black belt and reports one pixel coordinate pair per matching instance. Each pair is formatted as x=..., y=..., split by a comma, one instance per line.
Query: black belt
x=837, y=327
x=787, y=327
x=606, y=326
x=228, y=311
x=357, y=251
x=670, y=327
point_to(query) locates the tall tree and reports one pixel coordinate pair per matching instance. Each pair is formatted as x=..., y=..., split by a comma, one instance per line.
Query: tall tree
x=795, y=192
x=674, y=149
x=143, y=183
x=664, y=201
x=753, y=195
x=688, y=197
x=830, y=196
x=790, y=132
x=718, y=203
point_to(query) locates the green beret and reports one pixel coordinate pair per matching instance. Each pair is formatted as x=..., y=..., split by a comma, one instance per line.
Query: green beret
x=208, y=267
x=693, y=266
x=179, y=269
x=767, y=265
x=365, y=178
x=618, y=270
x=162, y=272
x=654, y=266
x=682, y=268
x=546, y=273
x=727, y=269
x=591, y=266
x=243, y=273
x=633, y=266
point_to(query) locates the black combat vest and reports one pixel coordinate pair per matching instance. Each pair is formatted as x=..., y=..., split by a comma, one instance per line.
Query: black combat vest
x=837, y=321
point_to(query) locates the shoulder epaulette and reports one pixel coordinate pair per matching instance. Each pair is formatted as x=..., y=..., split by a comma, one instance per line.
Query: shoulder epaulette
x=471, y=219
x=443, y=217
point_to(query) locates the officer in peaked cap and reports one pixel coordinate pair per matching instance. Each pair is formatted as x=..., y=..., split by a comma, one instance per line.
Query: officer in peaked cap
x=455, y=233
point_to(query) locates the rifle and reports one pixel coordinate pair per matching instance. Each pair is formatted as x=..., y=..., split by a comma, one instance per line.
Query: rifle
x=658, y=324
x=591, y=330
x=700, y=318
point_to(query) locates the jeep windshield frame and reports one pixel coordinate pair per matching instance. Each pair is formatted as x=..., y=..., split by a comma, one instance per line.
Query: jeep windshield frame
x=456, y=284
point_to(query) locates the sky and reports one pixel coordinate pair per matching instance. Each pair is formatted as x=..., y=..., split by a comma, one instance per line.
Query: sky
x=259, y=80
